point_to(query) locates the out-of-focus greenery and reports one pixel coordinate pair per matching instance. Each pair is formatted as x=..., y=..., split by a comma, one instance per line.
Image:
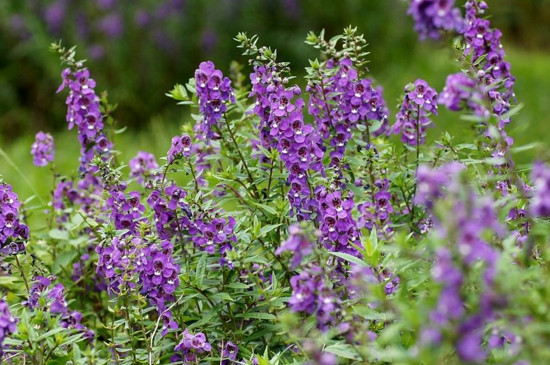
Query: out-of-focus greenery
x=137, y=50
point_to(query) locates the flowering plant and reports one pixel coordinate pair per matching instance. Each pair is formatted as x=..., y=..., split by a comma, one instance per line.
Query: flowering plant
x=290, y=226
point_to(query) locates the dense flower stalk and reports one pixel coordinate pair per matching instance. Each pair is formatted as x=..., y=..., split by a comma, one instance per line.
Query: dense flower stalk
x=433, y=17
x=340, y=101
x=13, y=233
x=466, y=241
x=84, y=111
x=282, y=127
x=42, y=149
x=419, y=102
x=493, y=71
x=313, y=294
x=214, y=92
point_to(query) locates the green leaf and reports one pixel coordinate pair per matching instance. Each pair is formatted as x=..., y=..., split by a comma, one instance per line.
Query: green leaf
x=58, y=234
x=201, y=270
x=344, y=351
x=350, y=258
x=258, y=315
x=268, y=228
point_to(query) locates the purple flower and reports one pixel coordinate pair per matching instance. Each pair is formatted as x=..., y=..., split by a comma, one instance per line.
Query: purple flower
x=190, y=346
x=493, y=71
x=540, y=202
x=312, y=294
x=181, y=147
x=53, y=301
x=299, y=243
x=42, y=149
x=8, y=324
x=214, y=92
x=83, y=110
x=340, y=101
x=13, y=233
x=282, y=128
x=462, y=92
x=143, y=166
x=228, y=352
x=419, y=102
x=432, y=17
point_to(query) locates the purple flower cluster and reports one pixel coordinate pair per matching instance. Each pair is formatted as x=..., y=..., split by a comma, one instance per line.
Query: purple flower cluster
x=143, y=168
x=85, y=194
x=189, y=347
x=340, y=101
x=51, y=298
x=13, y=233
x=339, y=230
x=431, y=182
x=313, y=294
x=171, y=212
x=228, y=352
x=493, y=71
x=431, y=17
x=8, y=324
x=120, y=262
x=299, y=243
x=159, y=275
x=464, y=232
x=126, y=210
x=540, y=202
x=42, y=149
x=214, y=92
x=84, y=112
x=282, y=127
x=214, y=235
x=462, y=92
x=377, y=214
x=181, y=147
x=419, y=102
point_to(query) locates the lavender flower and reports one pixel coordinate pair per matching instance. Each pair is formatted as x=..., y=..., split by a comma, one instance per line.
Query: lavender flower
x=432, y=17
x=493, y=72
x=413, y=117
x=282, y=127
x=462, y=92
x=339, y=230
x=8, y=324
x=84, y=112
x=312, y=294
x=540, y=203
x=340, y=101
x=13, y=233
x=214, y=92
x=299, y=243
x=143, y=166
x=181, y=147
x=190, y=346
x=215, y=236
x=50, y=297
x=42, y=149
x=228, y=352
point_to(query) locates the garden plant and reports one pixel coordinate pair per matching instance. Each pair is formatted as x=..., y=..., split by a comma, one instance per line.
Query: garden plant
x=288, y=224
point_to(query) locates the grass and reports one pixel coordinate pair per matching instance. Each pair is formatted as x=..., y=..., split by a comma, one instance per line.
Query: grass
x=428, y=62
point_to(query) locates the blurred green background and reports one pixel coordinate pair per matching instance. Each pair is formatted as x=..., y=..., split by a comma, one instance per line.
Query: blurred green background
x=137, y=50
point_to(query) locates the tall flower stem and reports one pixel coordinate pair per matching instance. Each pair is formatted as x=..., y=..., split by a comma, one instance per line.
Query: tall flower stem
x=250, y=178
